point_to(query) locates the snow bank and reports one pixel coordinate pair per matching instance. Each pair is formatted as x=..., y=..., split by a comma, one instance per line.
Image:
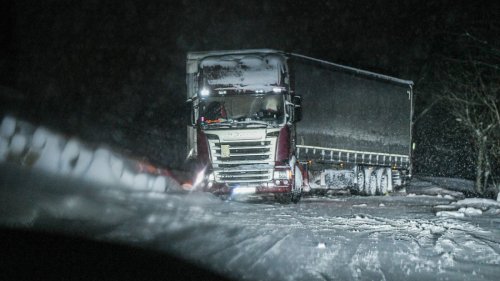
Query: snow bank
x=469, y=211
x=450, y=184
x=450, y=214
x=40, y=148
x=448, y=188
x=462, y=212
x=468, y=207
x=481, y=203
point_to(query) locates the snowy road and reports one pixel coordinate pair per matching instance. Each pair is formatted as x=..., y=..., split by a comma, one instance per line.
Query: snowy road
x=51, y=183
x=336, y=238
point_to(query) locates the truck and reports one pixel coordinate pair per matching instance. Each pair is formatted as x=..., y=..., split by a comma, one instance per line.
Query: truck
x=265, y=122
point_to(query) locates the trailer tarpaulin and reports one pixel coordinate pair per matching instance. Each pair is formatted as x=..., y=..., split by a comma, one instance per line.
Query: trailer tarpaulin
x=351, y=109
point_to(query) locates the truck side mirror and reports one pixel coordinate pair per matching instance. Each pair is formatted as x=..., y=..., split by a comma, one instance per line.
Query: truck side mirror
x=297, y=112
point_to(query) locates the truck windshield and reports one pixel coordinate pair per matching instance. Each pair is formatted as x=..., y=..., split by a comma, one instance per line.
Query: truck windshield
x=241, y=109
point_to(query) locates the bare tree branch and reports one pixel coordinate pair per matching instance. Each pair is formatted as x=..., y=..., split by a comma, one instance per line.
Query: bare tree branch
x=471, y=89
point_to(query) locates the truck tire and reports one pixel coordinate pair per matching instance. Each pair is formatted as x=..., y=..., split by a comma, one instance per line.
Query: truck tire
x=384, y=184
x=371, y=187
x=360, y=179
x=297, y=185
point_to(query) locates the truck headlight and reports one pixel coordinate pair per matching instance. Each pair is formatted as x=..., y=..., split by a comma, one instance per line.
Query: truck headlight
x=282, y=174
x=205, y=92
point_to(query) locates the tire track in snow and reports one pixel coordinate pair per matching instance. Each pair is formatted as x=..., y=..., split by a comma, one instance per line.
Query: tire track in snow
x=234, y=244
x=268, y=250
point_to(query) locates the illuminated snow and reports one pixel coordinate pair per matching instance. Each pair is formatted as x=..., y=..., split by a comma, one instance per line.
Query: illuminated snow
x=321, y=238
x=45, y=150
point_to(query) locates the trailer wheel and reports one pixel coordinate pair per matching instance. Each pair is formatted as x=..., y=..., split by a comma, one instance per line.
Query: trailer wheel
x=360, y=178
x=371, y=189
x=384, y=184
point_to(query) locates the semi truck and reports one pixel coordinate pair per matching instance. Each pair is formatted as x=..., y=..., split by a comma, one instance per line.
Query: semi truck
x=268, y=122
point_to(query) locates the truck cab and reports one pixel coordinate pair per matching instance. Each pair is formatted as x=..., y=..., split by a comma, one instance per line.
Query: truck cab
x=242, y=129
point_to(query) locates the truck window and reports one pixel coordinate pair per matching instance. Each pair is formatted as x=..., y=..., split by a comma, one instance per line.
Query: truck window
x=268, y=108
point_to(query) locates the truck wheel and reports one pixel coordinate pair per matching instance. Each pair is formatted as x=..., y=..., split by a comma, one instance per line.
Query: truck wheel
x=297, y=185
x=296, y=198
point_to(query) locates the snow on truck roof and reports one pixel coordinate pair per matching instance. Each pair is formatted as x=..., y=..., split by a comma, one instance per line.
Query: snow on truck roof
x=204, y=54
x=245, y=70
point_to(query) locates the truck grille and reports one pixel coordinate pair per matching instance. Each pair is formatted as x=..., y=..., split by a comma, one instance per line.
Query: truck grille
x=243, y=161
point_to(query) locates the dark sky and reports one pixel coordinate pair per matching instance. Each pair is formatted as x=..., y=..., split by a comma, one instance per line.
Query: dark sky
x=85, y=66
x=394, y=37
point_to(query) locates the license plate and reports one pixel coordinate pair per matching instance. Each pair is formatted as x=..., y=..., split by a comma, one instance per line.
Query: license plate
x=244, y=190
x=224, y=151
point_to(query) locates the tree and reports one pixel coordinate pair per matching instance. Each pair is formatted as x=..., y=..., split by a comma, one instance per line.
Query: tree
x=471, y=89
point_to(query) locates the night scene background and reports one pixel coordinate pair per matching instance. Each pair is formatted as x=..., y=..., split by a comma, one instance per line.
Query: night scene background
x=109, y=76
x=113, y=72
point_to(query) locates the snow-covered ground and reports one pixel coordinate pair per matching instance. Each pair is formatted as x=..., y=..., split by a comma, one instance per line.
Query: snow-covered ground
x=429, y=232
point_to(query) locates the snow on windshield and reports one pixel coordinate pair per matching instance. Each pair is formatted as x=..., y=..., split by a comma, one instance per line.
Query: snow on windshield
x=250, y=72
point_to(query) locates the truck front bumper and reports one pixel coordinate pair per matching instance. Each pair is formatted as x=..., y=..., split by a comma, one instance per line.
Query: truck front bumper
x=249, y=188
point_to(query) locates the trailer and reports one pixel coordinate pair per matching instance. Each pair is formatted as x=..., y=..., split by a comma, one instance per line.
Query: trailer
x=356, y=127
